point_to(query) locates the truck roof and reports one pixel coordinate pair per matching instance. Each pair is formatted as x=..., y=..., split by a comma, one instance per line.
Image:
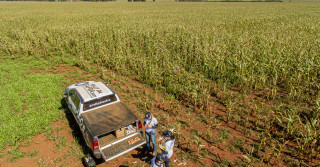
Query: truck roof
x=90, y=90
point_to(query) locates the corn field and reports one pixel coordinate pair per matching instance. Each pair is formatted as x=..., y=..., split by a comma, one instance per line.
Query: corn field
x=193, y=52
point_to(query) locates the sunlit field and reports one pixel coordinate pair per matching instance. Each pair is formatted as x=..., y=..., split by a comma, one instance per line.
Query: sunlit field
x=261, y=61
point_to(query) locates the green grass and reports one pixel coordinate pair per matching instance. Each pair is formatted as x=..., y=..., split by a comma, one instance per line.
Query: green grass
x=29, y=101
x=32, y=153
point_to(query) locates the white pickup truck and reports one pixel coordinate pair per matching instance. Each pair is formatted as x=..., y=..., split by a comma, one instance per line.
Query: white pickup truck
x=108, y=127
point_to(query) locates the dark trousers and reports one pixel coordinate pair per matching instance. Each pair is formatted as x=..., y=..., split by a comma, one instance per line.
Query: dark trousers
x=167, y=162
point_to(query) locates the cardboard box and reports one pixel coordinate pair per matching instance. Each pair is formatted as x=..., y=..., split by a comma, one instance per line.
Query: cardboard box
x=120, y=132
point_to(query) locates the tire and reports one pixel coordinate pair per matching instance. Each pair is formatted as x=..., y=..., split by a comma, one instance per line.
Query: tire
x=88, y=161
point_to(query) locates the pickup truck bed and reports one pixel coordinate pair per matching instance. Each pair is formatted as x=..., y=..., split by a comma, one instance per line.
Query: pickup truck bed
x=104, y=140
x=108, y=119
x=103, y=122
x=110, y=138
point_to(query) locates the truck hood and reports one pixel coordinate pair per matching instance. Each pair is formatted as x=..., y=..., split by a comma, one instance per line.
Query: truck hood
x=107, y=119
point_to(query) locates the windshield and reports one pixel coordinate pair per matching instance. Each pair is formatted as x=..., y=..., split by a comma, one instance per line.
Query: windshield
x=99, y=102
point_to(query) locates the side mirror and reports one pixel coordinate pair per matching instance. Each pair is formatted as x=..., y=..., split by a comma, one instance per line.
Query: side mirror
x=65, y=95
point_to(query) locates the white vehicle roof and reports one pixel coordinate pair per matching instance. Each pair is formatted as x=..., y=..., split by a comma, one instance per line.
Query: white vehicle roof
x=90, y=90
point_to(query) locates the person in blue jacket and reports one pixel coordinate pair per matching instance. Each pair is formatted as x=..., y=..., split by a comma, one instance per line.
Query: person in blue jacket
x=167, y=147
x=157, y=161
x=151, y=123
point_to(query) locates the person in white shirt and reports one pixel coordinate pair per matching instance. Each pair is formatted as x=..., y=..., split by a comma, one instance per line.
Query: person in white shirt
x=157, y=161
x=151, y=123
x=167, y=147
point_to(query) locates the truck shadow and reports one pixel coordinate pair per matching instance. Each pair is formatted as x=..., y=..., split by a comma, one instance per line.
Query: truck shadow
x=76, y=132
x=141, y=155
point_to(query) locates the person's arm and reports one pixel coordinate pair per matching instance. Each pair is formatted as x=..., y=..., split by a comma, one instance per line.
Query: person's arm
x=155, y=123
x=148, y=125
x=155, y=126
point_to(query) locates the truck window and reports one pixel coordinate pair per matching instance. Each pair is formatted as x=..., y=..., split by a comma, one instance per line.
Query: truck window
x=99, y=102
x=75, y=99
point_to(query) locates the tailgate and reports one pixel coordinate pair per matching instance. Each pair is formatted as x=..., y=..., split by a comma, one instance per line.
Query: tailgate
x=121, y=146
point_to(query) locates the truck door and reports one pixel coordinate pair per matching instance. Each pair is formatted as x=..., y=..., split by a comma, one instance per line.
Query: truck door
x=74, y=102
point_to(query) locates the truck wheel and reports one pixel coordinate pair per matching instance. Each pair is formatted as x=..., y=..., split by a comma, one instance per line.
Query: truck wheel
x=88, y=161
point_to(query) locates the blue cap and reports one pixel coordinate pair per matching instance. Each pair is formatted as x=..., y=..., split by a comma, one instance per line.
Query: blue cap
x=148, y=115
x=159, y=157
x=167, y=133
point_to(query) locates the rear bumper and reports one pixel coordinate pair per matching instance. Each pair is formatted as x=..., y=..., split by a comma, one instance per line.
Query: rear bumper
x=97, y=154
